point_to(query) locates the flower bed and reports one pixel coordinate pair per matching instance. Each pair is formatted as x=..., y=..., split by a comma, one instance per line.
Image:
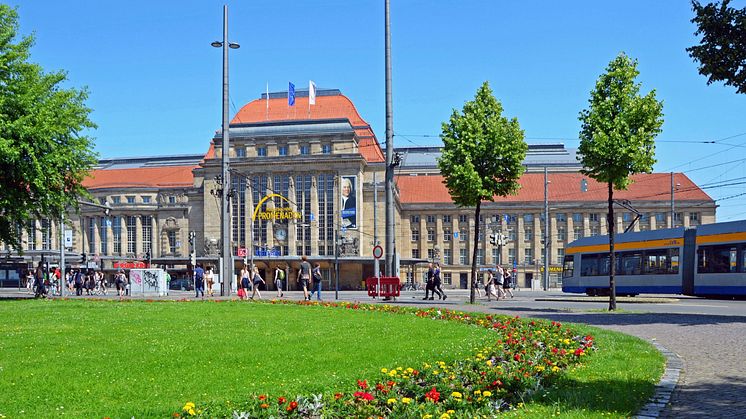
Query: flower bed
x=526, y=356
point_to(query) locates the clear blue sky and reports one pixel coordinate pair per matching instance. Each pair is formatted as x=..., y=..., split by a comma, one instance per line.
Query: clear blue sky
x=155, y=80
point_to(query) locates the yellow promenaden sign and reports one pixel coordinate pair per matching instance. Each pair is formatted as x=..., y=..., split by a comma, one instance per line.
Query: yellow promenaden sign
x=276, y=214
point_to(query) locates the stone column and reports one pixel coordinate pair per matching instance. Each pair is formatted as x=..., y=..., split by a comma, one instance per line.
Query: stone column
x=138, y=236
x=293, y=226
x=315, y=211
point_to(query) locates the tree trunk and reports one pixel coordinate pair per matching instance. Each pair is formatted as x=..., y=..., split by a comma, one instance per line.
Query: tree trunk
x=472, y=294
x=612, y=258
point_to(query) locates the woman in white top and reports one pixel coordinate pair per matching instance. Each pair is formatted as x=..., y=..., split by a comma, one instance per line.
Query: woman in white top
x=209, y=280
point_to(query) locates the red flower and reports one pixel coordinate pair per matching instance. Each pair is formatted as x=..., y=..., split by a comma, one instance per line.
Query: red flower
x=361, y=395
x=578, y=351
x=292, y=406
x=517, y=357
x=555, y=350
x=379, y=387
x=432, y=395
x=262, y=397
x=281, y=400
x=390, y=383
x=337, y=396
x=363, y=384
x=563, y=352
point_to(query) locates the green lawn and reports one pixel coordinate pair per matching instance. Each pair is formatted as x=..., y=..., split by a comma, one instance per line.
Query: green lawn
x=105, y=358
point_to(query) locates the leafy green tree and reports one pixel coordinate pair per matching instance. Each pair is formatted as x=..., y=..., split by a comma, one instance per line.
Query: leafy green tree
x=617, y=137
x=44, y=156
x=482, y=157
x=722, y=51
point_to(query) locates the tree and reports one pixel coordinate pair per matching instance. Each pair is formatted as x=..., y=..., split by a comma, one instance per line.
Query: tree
x=617, y=137
x=722, y=50
x=43, y=155
x=482, y=157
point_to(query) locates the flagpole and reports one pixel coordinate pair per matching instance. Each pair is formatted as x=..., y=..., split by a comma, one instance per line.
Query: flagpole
x=267, y=117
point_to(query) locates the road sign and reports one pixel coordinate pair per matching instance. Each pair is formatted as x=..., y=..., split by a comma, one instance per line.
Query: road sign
x=68, y=238
x=241, y=252
x=377, y=252
x=455, y=234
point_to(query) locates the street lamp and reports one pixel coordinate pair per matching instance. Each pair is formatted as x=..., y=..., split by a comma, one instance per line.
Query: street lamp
x=226, y=268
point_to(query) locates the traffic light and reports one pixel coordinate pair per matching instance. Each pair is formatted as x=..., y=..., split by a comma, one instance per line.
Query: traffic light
x=83, y=258
x=147, y=255
x=191, y=238
x=493, y=239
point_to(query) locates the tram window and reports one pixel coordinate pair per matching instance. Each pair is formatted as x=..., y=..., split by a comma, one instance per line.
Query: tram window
x=743, y=260
x=589, y=265
x=716, y=259
x=630, y=263
x=567, y=266
x=673, y=256
x=656, y=262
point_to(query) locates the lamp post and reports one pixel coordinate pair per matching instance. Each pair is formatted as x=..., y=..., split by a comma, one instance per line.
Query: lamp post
x=226, y=268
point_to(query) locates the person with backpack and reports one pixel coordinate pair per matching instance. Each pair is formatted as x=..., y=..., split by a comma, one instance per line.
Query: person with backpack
x=199, y=281
x=437, y=282
x=78, y=282
x=507, y=283
x=499, y=279
x=119, y=282
x=316, y=278
x=279, y=277
x=304, y=277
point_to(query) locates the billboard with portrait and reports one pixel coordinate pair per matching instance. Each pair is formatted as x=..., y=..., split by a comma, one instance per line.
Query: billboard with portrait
x=348, y=201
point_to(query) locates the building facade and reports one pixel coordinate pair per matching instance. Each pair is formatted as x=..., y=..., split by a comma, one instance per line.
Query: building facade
x=306, y=177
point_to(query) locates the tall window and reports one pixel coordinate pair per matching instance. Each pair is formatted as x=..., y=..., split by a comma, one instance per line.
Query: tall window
x=511, y=255
x=414, y=219
x=103, y=231
x=560, y=255
x=431, y=234
x=447, y=278
x=447, y=256
x=282, y=150
x=495, y=255
x=446, y=219
x=447, y=234
x=561, y=217
x=116, y=229
x=577, y=217
x=415, y=253
x=238, y=213
x=415, y=234
x=463, y=235
x=326, y=148
x=172, y=242
x=147, y=234
x=131, y=234
x=261, y=151
x=240, y=152
x=431, y=219
x=577, y=233
x=303, y=199
x=463, y=218
x=91, y=235
x=561, y=234
x=430, y=254
x=480, y=256
x=462, y=257
x=528, y=255
x=259, y=191
x=528, y=234
x=693, y=218
x=305, y=149
x=325, y=192
x=31, y=233
x=528, y=218
x=46, y=234
x=593, y=217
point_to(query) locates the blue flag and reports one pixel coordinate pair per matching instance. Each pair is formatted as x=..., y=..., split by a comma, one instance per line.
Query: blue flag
x=291, y=94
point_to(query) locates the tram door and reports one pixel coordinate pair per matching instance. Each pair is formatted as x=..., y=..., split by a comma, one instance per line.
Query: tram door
x=688, y=262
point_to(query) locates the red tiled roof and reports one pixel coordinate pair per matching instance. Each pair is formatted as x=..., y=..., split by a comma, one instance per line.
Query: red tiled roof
x=158, y=177
x=563, y=187
x=326, y=107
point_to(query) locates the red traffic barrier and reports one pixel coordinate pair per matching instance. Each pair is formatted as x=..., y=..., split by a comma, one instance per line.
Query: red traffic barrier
x=389, y=286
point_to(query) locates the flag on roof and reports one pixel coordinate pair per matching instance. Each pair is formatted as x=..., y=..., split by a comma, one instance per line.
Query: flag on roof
x=291, y=94
x=311, y=92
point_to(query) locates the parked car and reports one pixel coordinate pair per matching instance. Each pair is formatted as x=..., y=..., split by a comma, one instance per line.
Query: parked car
x=183, y=284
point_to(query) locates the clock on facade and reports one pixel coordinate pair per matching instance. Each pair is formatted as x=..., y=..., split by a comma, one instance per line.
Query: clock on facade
x=281, y=234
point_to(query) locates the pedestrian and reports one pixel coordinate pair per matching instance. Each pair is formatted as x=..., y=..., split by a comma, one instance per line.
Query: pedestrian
x=304, y=276
x=78, y=280
x=316, y=278
x=102, y=282
x=257, y=281
x=279, y=277
x=30, y=281
x=41, y=290
x=119, y=280
x=498, y=281
x=168, y=282
x=245, y=282
x=430, y=284
x=478, y=285
x=507, y=283
x=209, y=280
x=199, y=281
x=489, y=288
x=437, y=282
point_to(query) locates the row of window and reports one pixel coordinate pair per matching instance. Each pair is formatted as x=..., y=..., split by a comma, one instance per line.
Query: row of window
x=636, y=262
x=660, y=217
x=132, y=199
x=721, y=258
x=464, y=256
x=303, y=149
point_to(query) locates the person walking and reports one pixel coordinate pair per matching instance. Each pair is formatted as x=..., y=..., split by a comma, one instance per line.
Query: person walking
x=199, y=281
x=119, y=281
x=430, y=284
x=316, y=278
x=257, y=281
x=437, y=282
x=490, y=286
x=498, y=280
x=245, y=282
x=78, y=279
x=507, y=283
x=209, y=280
x=279, y=277
x=304, y=277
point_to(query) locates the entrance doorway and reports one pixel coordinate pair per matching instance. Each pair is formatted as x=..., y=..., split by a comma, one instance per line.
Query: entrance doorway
x=464, y=280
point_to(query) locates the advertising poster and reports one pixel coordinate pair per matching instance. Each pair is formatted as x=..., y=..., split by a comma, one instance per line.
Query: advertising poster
x=349, y=202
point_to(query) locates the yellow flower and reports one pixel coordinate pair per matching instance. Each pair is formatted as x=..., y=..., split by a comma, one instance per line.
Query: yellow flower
x=486, y=393
x=410, y=370
x=489, y=362
x=391, y=401
x=539, y=368
x=384, y=370
x=456, y=395
x=427, y=416
x=445, y=416
x=451, y=411
x=406, y=400
x=566, y=341
x=555, y=368
x=477, y=392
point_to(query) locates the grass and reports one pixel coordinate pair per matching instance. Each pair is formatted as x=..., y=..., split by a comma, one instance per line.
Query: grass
x=104, y=358
x=616, y=381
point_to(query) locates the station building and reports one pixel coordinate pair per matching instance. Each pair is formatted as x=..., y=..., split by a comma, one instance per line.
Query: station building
x=302, y=175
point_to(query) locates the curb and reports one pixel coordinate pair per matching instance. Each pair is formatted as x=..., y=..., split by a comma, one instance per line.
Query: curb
x=665, y=386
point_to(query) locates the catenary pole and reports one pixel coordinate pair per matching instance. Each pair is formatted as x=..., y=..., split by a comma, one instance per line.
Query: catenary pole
x=390, y=240
x=226, y=270
x=546, y=229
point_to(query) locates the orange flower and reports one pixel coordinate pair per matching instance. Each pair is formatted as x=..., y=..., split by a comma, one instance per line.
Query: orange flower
x=264, y=405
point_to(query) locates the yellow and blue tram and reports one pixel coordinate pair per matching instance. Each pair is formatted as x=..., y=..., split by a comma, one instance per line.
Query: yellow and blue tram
x=707, y=260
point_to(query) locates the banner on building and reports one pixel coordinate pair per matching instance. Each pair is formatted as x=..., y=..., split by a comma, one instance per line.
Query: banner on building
x=348, y=202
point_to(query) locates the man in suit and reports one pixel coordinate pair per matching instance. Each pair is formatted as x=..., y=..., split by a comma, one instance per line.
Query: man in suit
x=349, y=210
